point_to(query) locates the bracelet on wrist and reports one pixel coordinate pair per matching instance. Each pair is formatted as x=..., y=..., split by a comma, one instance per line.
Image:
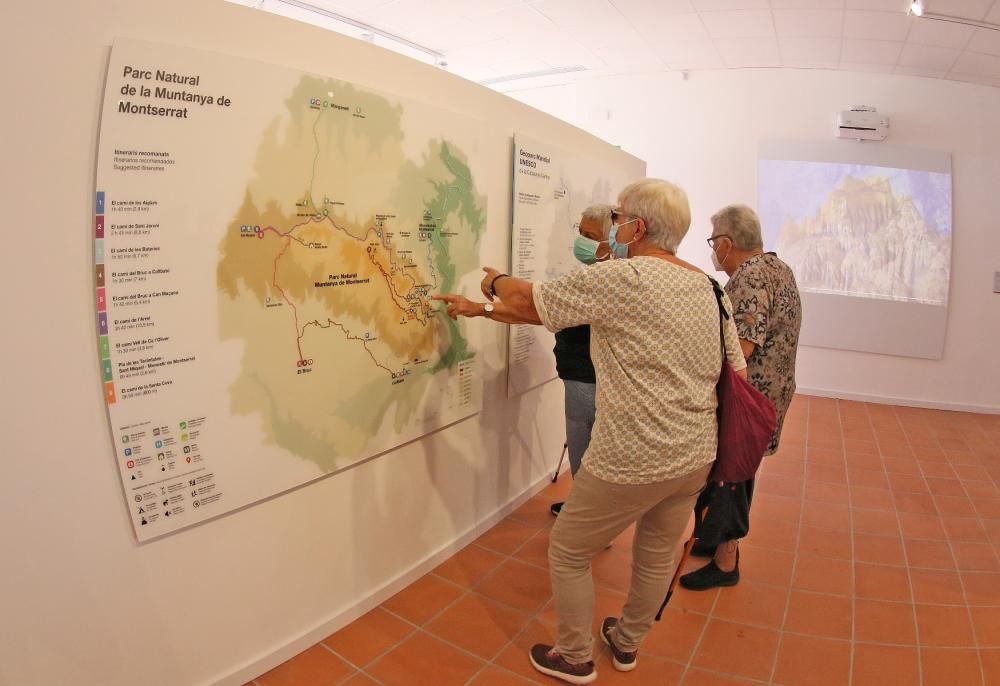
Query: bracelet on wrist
x=493, y=284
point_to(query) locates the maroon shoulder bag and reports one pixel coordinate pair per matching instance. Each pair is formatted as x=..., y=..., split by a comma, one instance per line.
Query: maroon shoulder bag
x=746, y=417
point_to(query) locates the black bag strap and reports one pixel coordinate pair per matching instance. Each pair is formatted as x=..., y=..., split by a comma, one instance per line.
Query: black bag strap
x=723, y=315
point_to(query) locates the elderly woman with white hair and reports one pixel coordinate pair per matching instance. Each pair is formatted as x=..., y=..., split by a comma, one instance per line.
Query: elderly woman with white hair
x=655, y=345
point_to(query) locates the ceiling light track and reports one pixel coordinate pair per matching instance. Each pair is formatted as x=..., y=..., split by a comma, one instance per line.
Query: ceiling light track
x=438, y=57
x=960, y=20
x=917, y=10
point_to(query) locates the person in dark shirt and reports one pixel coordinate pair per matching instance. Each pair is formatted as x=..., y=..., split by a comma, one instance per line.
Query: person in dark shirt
x=572, y=349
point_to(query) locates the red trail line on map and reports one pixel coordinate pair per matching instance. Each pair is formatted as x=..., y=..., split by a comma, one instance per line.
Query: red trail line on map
x=274, y=282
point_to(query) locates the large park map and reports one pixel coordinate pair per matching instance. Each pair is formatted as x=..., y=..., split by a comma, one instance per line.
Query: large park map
x=267, y=244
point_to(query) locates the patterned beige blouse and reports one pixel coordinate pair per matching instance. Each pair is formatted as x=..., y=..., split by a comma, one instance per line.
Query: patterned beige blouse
x=656, y=351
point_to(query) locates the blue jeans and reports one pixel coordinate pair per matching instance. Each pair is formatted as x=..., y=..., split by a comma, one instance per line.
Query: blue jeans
x=580, y=399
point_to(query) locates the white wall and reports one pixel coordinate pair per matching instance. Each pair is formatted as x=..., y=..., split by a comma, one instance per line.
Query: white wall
x=703, y=133
x=80, y=601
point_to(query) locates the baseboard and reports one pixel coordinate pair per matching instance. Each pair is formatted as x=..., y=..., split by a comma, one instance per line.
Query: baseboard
x=903, y=402
x=342, y=618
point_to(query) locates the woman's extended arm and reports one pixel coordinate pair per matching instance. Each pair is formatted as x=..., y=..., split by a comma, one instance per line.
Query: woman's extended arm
x=516, y=303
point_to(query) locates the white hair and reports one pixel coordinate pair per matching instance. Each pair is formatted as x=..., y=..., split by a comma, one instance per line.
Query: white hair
x=601, y=214
x=663, y=206
x=739, y=223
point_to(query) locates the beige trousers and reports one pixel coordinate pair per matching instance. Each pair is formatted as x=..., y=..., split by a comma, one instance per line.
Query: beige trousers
x=594, y=514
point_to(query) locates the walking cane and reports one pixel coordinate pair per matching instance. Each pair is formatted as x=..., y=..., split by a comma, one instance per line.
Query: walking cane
x=555, y=477
x=688, y=544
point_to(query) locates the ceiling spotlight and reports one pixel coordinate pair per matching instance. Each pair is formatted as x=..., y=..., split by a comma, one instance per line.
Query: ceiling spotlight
x=917, y=8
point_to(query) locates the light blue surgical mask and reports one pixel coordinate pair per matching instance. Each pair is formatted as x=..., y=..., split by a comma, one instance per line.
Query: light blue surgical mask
x=619, y=250
x=585, y=249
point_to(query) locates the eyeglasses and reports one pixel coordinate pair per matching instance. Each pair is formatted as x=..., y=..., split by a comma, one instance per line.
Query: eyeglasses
x=615, y=213
x=711, y=240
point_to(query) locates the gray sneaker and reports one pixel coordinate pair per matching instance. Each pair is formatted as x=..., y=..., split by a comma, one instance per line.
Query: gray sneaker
x=623, y=662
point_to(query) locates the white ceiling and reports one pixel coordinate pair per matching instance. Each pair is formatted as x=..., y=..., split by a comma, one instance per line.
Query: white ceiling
x=489, y=39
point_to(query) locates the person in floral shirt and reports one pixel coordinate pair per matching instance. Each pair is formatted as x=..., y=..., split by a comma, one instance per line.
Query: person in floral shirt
x=768, y=314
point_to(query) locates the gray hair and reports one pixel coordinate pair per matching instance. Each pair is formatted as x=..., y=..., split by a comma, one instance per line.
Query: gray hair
x=601, y=214
x=663, y=206
x=741, y=224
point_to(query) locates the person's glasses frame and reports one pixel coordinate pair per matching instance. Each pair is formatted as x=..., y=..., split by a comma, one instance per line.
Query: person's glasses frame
x=711, y=239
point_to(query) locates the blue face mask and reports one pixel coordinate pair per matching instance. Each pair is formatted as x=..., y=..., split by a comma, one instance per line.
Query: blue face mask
x=619, y=250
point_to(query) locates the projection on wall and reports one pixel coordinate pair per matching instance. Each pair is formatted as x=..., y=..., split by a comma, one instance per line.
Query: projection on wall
x=866, y=228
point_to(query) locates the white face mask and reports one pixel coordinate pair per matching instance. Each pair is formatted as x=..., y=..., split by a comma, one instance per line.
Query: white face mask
x=717, y=263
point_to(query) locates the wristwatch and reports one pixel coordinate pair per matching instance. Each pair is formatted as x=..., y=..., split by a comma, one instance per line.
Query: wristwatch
x=488, y=309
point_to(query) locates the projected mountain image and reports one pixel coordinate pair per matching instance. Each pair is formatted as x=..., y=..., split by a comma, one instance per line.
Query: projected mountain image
x=870, y=232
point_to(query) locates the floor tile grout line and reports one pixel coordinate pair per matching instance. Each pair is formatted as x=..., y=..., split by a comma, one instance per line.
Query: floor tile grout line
x=803, y=634
x=728, y=676
x=502, y=668
x=380, y=656
x=909, y=575
x=701, y=636
x=795, y=554
x=871, y=533
x=416, y=629
x=424, y=630
x=357, y=669
x=854, y=555
x=965, y=595
x=474, y=588
x=961, y=581
x=532, y=618
x=509, y=557
x=467, y=590
x=959, y=570
x=518, y=634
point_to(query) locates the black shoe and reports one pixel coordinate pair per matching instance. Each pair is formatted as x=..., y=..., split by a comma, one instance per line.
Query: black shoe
x=710, y=576
x=700, y=549
x=623, y=662
x=556, y=509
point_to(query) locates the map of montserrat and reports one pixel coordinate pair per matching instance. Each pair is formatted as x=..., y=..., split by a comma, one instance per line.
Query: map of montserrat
x=346, y=229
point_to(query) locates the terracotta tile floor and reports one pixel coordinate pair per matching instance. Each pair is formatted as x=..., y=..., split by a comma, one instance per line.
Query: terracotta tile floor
x=874, y=558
